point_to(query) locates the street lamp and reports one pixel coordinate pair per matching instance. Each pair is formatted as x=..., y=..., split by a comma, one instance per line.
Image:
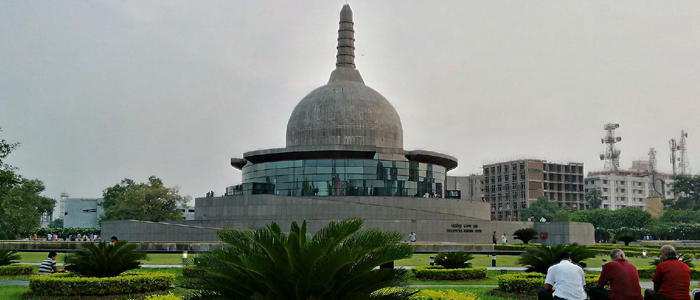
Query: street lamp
x=184, y=258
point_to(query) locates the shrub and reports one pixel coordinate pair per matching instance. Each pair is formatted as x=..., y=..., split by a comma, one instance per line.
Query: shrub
x=169, y=296
x=104, y=260
x=338, y=262
x=532, y=282
x=74, y=285
x=626, y=237
x=424, y=294
x=439, y=273
x=454, y=260
x=688, y=260
x=525, y=234
x=14, y=270
x=8, y=257
x=648, y=272
x=192, y=272
x=539, y=259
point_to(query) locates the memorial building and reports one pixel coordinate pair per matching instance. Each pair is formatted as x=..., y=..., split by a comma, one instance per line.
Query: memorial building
x=344, y=157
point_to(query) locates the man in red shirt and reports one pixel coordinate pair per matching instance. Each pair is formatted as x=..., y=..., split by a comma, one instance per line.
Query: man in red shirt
x=622, y=277
x=671, y=279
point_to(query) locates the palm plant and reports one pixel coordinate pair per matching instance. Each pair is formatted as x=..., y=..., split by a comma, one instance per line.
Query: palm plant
x=454, y=260
x=688, y=260
x=8, y=257
x=338, y=262
x=540, y=258
x=525, y=234
x=626, y=237
x=104, y=260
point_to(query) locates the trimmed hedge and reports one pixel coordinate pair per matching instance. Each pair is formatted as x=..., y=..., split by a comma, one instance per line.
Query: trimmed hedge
x=429, y=294
x=14, y=270
x=532, y=282
x=192, y=272
x=440, y=273
x=169, y=296
x=72, y=285
x=648, y=272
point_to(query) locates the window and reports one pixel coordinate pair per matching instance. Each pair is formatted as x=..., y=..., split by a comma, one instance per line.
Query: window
x=92, y=210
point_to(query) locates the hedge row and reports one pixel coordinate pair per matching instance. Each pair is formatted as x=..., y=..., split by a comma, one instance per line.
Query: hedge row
x=73, y=285
x=532, y=282
x=440, y=273
x=14, y=270
x=192, y=272
x=169, y=296
x=429, y=294
x=648, y=272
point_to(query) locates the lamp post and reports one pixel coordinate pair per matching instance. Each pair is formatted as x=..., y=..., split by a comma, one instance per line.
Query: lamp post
x=432, y=260
x=184, y=258
x=644, y=253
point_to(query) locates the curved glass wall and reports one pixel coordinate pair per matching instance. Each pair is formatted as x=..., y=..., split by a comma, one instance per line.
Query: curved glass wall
x=342, y=177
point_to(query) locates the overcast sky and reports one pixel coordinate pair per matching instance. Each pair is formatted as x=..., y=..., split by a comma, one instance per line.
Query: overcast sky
x=96, y=91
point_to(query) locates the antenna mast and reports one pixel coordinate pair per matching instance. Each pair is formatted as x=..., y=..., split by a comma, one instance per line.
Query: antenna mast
x=612, y=155
x=674, y=147
x=684, y=164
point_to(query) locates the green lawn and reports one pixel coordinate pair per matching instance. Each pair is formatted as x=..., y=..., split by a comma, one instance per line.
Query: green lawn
x=153, y=259
x=12, y=292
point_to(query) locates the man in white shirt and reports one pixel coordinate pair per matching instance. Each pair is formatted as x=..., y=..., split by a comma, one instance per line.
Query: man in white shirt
x=565, y=280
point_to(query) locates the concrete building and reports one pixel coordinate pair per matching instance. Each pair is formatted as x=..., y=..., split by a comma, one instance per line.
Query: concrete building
x=622, y=188
x=512, y=186
x=82, y=212
x=187, y=214
x=470, y=187
x=344, y=157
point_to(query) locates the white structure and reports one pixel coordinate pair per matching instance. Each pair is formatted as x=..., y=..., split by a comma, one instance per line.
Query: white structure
x=187, y=214
x=82, y=212
x=471, y=187
x=622, y=188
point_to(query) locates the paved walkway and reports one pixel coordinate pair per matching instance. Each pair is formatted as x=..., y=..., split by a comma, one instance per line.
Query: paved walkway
x=14, y=282
x=143, y=266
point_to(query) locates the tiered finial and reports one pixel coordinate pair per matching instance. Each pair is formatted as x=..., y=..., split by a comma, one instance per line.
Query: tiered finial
x=346, y=39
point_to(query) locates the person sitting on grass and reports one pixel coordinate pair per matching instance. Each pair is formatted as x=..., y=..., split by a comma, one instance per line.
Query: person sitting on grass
x=48, y=266
x=671, y=278
x=622, y=277
x=564, y=280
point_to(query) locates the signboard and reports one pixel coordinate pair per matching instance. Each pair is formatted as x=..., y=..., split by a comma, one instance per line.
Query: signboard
x=544, y=235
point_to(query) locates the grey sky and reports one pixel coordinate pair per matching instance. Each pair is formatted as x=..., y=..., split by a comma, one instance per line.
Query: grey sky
x=101, y=90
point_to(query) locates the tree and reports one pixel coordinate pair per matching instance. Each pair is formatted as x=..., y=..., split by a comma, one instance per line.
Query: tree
x=629, y=217
x=23, y=206
x=338, y=262
x=543, y=207
x=688, y=189
x=454, y=260
x=525, y=234
x=8, y=257
x=680, y=216
x=151, y=201
x=594, y=198
x=56, y=224
x=600, y=218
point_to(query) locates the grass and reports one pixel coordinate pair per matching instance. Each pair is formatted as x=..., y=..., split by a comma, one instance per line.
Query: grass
x=12, y=292
x=153, y=259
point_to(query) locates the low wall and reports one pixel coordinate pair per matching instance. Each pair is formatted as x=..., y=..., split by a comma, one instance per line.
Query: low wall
x=150, y=247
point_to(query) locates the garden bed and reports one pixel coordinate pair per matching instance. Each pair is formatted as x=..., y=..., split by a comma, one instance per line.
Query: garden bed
x=16, y=270
x=531, y=282
x=440, y=273
x=74, y=285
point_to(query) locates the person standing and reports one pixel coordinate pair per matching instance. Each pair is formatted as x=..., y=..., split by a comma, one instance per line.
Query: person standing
x=412, y=237
x=494, y=238
x=671, y=279
x=204, y=217
x=622, y=277
x=48, y=266
x=114, y=240
x=504, y=239
x=564, y=280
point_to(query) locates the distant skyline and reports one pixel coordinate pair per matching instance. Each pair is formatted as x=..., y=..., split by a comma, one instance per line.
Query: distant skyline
x=96, y=91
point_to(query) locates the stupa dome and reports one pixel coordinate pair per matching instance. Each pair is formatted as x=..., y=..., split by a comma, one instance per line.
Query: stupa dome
x=345, y=111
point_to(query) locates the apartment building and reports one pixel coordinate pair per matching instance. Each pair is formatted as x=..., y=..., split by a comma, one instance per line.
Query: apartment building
x=471, y=187
x=623, y=188
x=512, y=186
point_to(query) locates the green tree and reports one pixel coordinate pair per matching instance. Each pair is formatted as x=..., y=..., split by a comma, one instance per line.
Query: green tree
x=688, y=189
x=680, y=216
x=338, y=262
x=525, y=234
x=594, y=198
x=151, y=201
x=600, y=218
x=543, y=207
x=56, y=224
x=626, y=237
x=23, y=206
x=629, y=217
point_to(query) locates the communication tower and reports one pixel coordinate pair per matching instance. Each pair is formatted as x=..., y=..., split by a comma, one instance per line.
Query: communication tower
x=684, y=164
x=62, y=205
x=612, y=155
x=674, y=147
x=652, y=171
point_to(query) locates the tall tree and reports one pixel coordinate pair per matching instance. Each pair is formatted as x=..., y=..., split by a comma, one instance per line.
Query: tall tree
x=594, y=198
x=547, y=209
x=151, y=201
x=688, y=189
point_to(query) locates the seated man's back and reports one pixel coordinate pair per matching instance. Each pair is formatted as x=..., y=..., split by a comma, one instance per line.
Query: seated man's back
x=623, y=279
x=568, y=281
x=673, y=276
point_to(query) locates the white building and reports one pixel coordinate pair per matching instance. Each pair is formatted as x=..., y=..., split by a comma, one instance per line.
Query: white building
x=471, y=187
x=631, y=187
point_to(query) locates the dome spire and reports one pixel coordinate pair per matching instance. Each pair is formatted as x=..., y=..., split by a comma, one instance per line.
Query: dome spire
x=346, y=39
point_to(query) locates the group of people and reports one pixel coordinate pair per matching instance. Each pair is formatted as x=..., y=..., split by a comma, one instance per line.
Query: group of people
x=566, y=280
x=432, y=195
x=210, y=194
x=71, y=237
x=504, y=239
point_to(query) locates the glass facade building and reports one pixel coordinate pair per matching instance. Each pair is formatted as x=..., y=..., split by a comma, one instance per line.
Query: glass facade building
x=342, y=177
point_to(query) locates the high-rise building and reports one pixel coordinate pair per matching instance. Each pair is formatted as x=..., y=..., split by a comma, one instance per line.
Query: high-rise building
x=622, y=188
x=470, y=187
x=512, y=186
